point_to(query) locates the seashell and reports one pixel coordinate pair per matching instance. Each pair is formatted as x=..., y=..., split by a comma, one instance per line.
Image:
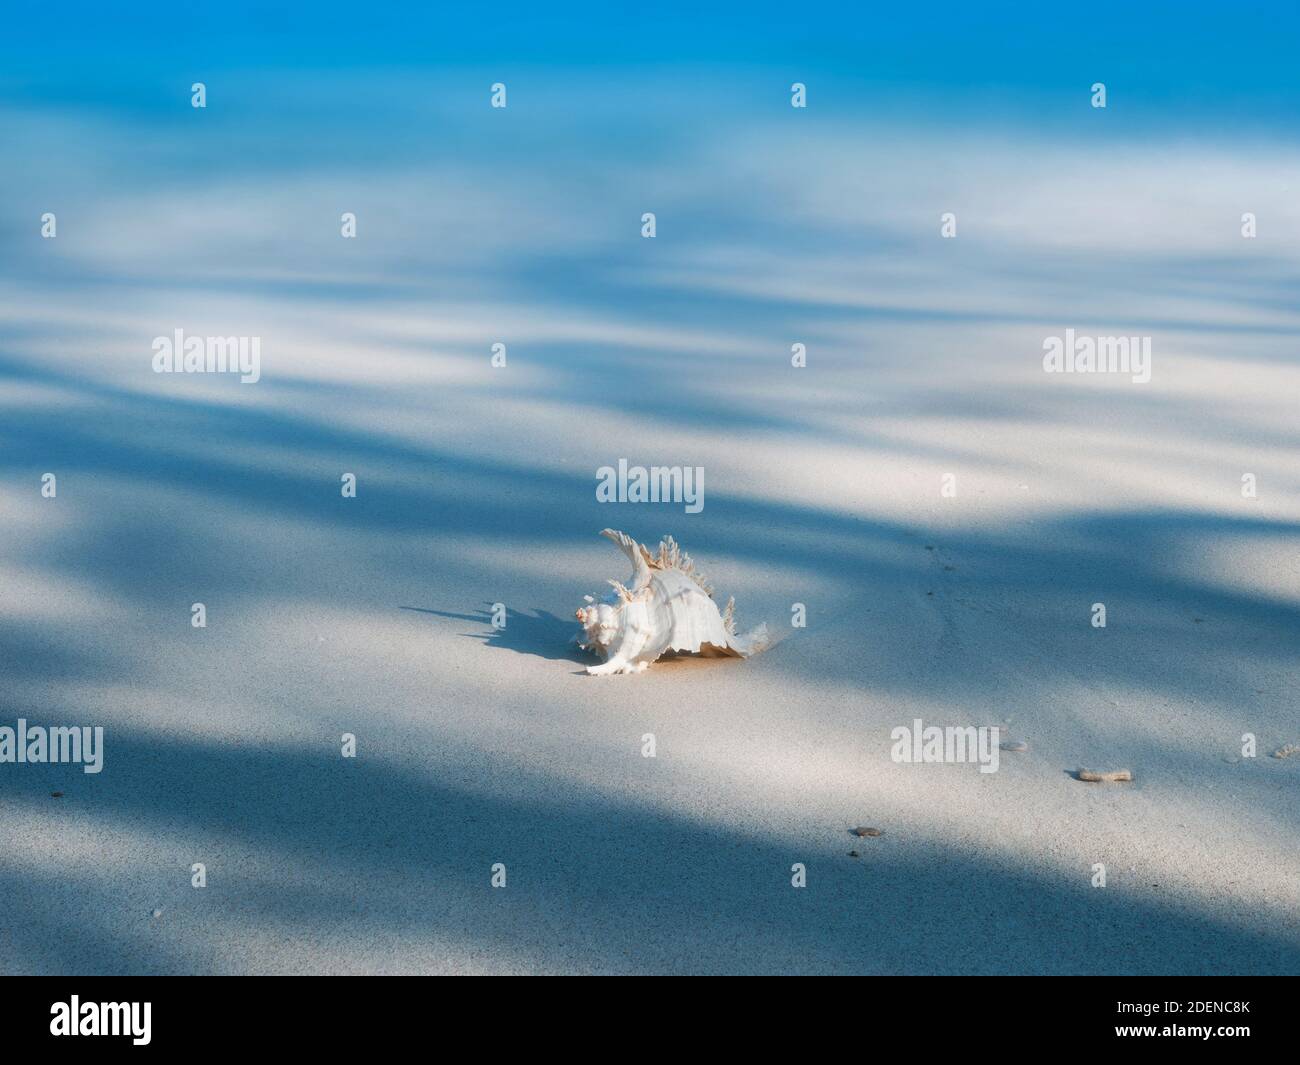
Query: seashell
x=1115, y=776
x=666, y=606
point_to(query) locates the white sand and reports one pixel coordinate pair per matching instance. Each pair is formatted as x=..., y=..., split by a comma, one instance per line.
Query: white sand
x=369, y=616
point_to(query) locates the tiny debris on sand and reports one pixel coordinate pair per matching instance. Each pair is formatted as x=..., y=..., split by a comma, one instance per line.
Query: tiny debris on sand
x=862, y=831
x=1112, y=777
x=1018, y=746
x=56, y=795
x=854, y=854
x=1287, y=750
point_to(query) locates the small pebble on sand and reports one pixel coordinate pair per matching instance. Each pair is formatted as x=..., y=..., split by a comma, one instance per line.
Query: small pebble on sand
x=1019, y=746
x=862, y=831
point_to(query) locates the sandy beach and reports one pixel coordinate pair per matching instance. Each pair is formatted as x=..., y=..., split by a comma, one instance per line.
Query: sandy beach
x=823, y=486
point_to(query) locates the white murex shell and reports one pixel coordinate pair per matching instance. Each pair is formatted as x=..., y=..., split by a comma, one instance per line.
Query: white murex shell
x=665, y=607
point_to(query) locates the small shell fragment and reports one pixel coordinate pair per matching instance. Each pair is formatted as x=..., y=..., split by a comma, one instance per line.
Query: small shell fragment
x=1112, y=777
x=1287, y=750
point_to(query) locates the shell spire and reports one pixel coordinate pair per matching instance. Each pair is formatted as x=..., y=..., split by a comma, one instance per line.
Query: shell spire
x=671, y=556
